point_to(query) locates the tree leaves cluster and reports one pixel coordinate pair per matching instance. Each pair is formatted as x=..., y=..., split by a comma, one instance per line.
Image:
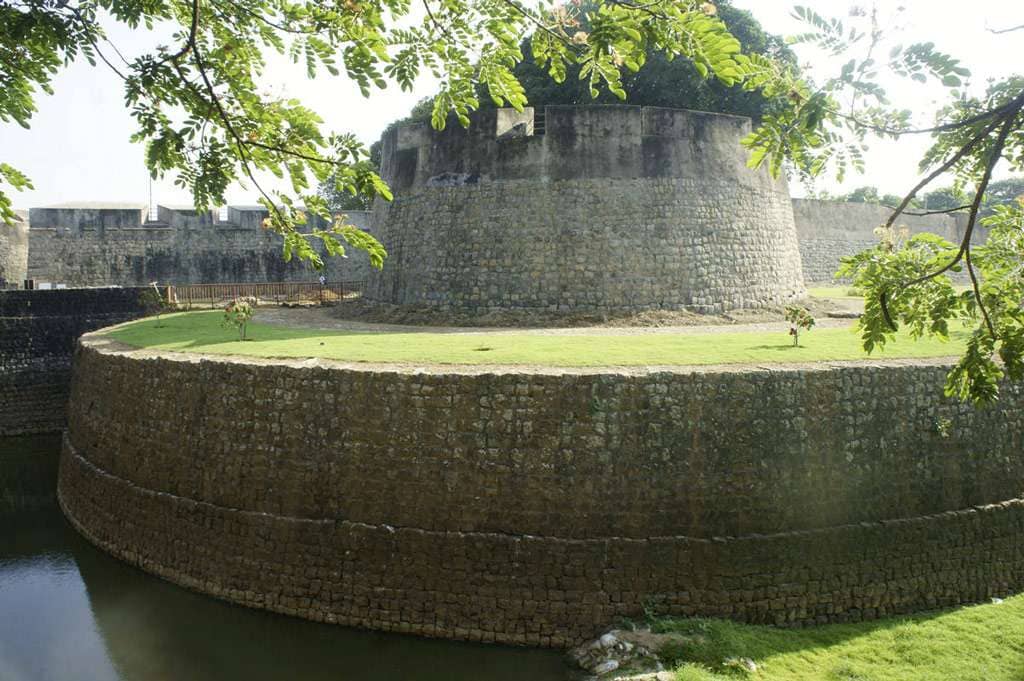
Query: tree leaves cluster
x=199, y=108
x=662, y=81
x=905, y=279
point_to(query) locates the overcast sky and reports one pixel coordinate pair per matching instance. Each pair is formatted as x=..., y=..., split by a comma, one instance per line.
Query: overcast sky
x=78, y=147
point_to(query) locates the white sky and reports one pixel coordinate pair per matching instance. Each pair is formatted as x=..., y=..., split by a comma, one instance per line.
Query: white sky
x=78, y=147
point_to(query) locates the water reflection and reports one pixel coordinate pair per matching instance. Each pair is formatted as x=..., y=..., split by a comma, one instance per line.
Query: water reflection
x=69, y=611
x=28, y=472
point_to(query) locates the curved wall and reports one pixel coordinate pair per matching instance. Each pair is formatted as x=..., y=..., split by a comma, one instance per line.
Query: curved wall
x=612, y=208
x=538, y=507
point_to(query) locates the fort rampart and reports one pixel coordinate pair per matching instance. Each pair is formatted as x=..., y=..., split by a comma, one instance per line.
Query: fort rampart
x=604, y=208
x=591, y=209
x=536, y=507
x=117, y=245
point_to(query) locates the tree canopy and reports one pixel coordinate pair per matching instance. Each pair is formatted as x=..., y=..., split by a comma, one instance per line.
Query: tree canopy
x=663, y=80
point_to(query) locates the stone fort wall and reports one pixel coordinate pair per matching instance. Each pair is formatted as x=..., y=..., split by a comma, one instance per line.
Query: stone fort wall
x=535, y=508
x=830, y=230
x=103, y=246
x=610, y=208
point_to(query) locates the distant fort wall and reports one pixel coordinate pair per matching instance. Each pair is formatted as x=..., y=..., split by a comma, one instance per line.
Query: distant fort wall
x=829, y=230
x=117, y=245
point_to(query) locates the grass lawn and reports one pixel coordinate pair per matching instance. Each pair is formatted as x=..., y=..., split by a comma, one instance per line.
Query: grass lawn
x=202, y=332
x=849, y=293
x=977, y=643
x=845, y=292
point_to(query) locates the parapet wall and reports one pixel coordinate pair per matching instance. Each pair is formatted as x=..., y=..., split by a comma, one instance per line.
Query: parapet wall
x=609, y=208
x=536, y=508
x=116, y=246
x=13, y=254
x=38, y=333
x=830, y=230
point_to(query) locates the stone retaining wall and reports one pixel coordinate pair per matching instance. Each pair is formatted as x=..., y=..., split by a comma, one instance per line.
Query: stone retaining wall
x=38, y=333
x=535, y=508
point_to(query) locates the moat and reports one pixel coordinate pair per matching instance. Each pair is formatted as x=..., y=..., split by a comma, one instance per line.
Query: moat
x=72, y=611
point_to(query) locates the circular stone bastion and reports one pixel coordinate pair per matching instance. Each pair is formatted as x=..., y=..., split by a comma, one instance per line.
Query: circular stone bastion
x=589, y=209
x=537, y=506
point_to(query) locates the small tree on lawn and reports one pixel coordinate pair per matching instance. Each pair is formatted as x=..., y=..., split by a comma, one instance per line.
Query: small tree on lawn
x=799, y=319
x=238, y=313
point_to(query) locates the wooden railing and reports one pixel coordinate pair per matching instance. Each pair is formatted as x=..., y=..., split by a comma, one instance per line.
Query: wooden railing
x=216, y=295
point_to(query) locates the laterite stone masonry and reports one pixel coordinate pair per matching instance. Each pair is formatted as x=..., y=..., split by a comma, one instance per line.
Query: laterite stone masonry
x=536, y=507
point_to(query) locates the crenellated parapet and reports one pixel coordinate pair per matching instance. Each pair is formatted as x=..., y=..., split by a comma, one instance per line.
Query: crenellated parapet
x=570, y=143
x=101, y=217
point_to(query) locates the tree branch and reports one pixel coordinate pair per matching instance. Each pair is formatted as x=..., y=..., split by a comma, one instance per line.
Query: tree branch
x=965, y=243
x=437, y=24
x=537, y=22
x=949, y=163
x=1005, y=30
x=243, y=155
x=937, y=211
x=190, y=41
x=273, y=24
x=945, y=127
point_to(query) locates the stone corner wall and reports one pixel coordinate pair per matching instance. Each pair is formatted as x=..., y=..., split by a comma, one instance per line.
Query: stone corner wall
x=537, y=507
x=38, y=333
x=13, y=254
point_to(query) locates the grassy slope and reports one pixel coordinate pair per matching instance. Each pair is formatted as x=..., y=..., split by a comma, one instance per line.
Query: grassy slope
x=978, y=643
x=202, y=332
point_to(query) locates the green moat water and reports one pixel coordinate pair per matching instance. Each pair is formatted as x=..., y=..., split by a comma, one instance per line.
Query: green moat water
x=68, y=611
